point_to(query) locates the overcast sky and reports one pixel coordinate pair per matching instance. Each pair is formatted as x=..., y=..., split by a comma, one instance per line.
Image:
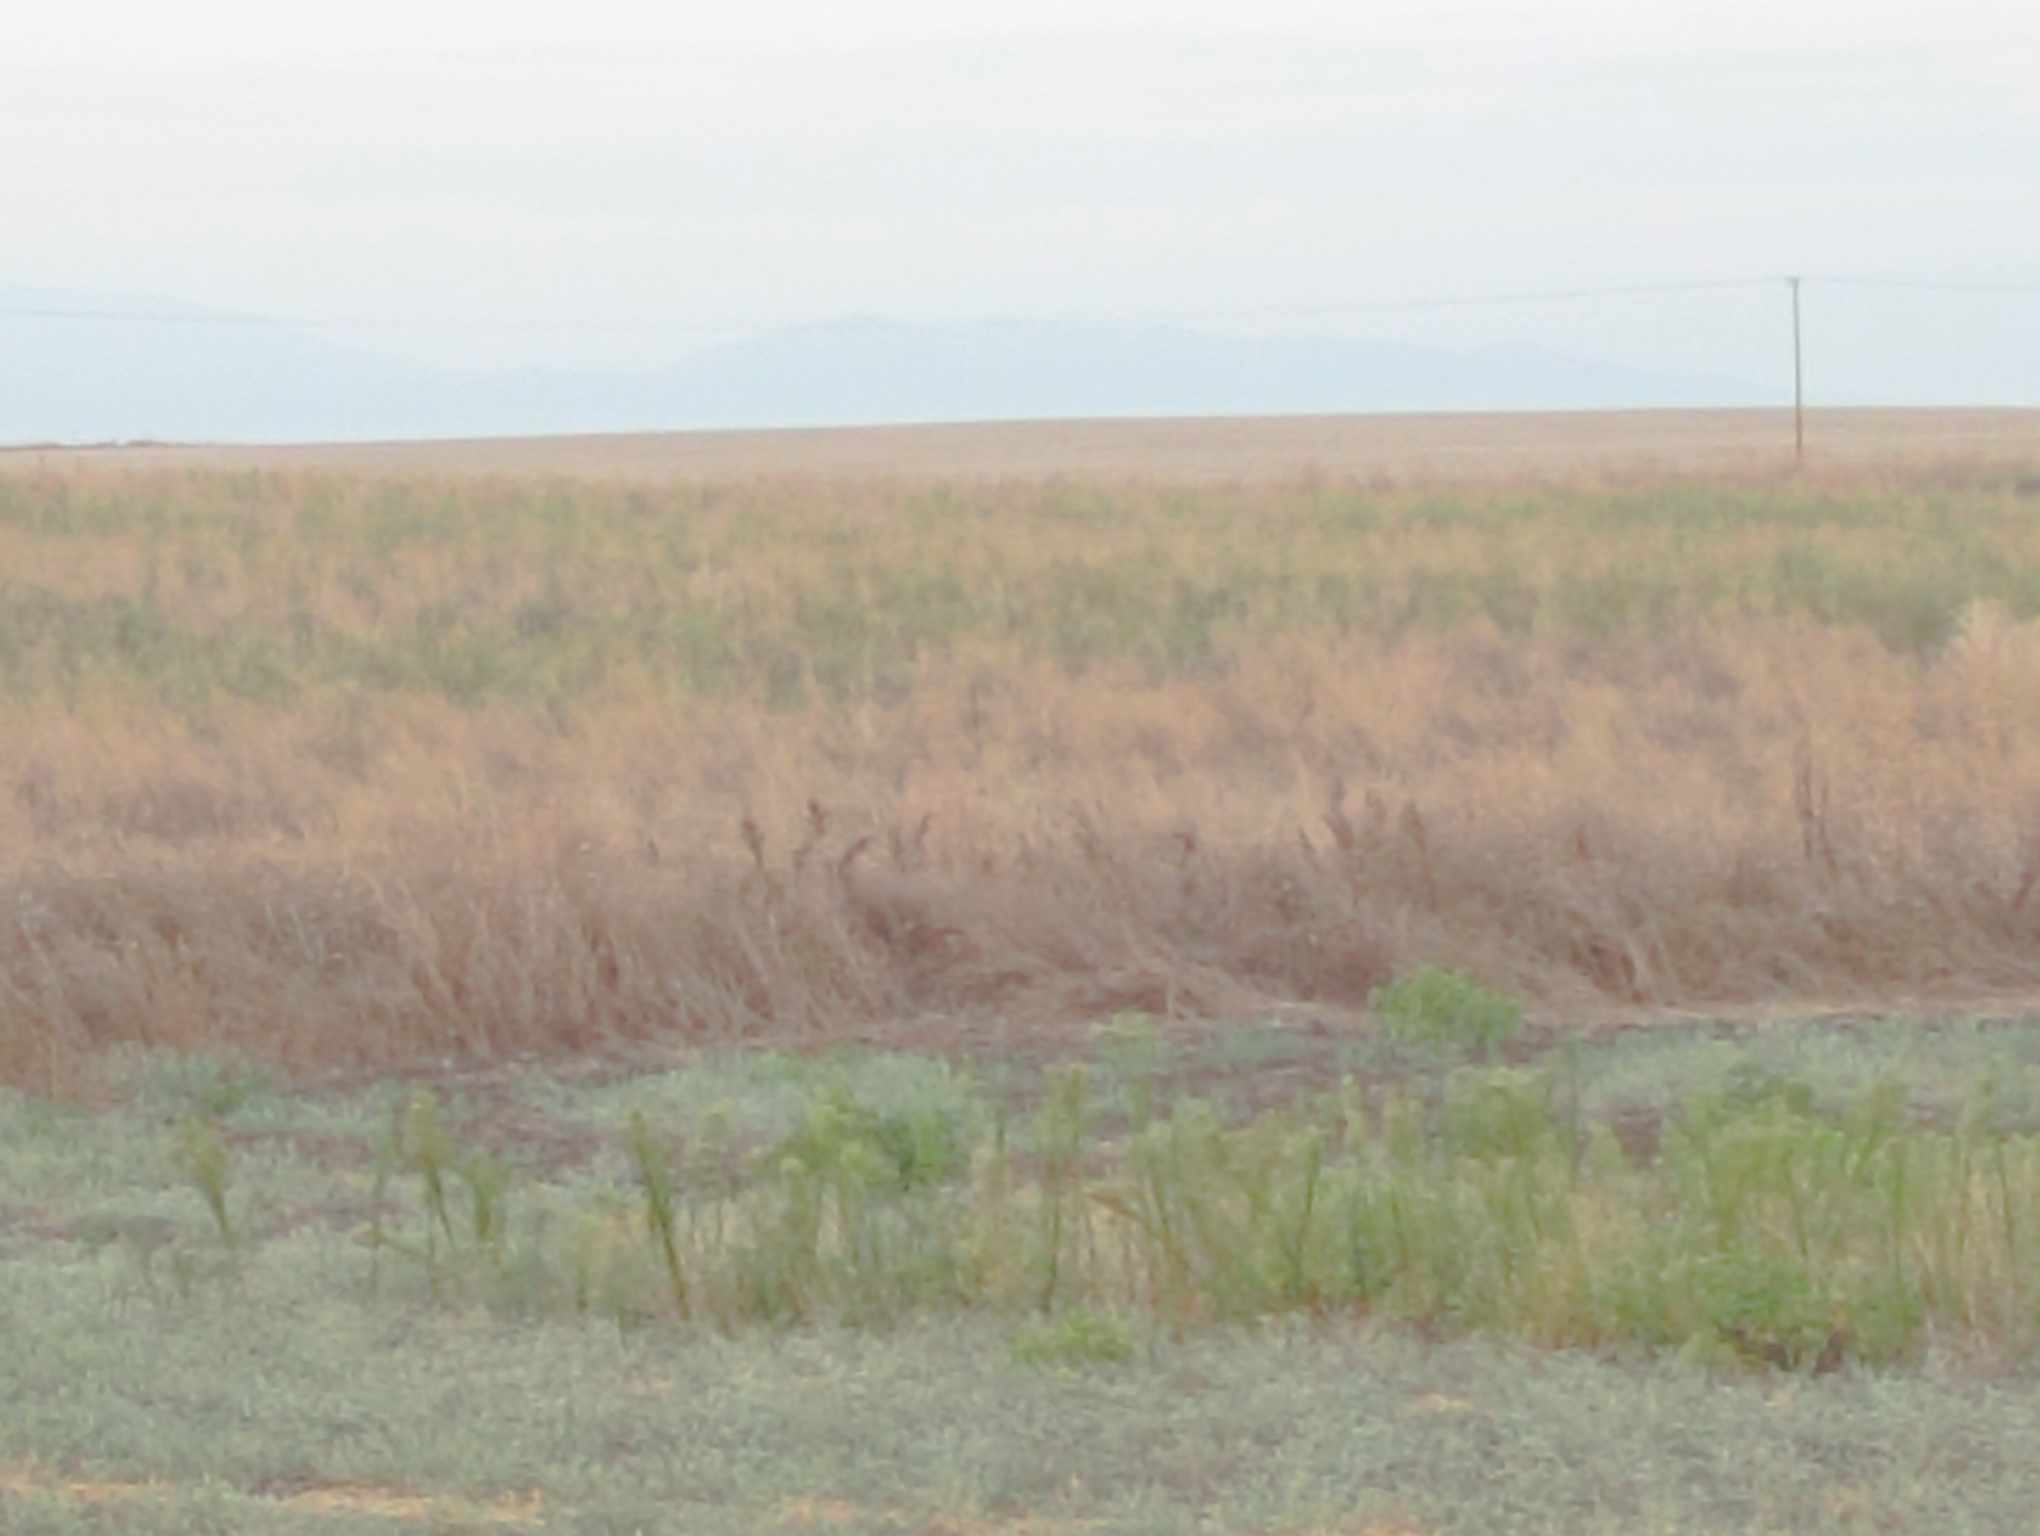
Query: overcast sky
x=597, y=181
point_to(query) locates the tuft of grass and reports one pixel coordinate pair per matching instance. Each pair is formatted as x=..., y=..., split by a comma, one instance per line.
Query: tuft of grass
x=201, y=1157
x=657, y=1181
x=456, y=1239
x=1075, y=1338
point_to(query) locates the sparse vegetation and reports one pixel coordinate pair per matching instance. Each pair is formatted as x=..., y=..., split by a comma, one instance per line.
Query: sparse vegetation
x=1765, y=1231
x=1370, y=1263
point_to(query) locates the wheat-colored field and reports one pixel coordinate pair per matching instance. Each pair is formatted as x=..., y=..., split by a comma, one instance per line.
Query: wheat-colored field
x=1380, y=450
x=361, y=755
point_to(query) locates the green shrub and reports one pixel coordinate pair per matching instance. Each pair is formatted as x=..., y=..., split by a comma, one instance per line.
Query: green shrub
x=1444, y=1009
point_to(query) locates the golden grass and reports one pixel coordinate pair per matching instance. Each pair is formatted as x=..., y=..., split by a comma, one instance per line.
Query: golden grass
x=350, y=770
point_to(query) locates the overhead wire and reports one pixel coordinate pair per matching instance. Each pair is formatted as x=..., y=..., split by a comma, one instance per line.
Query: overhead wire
x=1926, y=284
x=1325, y=310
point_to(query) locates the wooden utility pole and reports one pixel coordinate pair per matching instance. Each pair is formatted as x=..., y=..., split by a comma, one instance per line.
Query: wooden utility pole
x=1798, y=385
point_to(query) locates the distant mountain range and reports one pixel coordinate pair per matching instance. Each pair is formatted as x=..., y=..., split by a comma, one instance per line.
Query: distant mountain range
x=95, y=368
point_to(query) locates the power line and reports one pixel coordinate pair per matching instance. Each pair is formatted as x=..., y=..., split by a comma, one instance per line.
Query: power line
x=1925, y=284
x=315, y=322
x=1413, y=305
x=1416, y=304
x=1526, y=296
x=152, y=316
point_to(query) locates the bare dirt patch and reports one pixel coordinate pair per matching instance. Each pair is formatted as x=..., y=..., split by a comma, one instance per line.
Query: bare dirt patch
x=519, y=1510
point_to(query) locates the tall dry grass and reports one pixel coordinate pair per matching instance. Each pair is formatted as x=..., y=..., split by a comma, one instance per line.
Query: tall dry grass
x=347, y=771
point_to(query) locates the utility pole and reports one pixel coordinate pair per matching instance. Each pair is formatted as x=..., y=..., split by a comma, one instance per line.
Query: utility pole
x=1798, y=385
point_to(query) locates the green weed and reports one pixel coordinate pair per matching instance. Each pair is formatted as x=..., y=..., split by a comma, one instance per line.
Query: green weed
x=1078, y=1337
x=452, y=1240
x=1442, y=1009
x=657, y=1181
x=202, y=1159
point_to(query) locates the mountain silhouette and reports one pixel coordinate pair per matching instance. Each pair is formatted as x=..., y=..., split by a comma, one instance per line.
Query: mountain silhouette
x=83, y=368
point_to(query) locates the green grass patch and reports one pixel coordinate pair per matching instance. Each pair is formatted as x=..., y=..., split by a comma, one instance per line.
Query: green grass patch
x=1444, y=1010
x=1769, y=1226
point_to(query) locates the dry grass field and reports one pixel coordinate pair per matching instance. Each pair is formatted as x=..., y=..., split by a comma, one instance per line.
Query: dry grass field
x=348, y=768
x=1378, y=450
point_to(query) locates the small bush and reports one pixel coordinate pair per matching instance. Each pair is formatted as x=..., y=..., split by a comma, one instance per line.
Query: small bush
x=1438, y=1008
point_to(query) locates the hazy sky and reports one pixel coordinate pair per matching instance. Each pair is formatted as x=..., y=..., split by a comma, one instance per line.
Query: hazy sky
x=495, y=182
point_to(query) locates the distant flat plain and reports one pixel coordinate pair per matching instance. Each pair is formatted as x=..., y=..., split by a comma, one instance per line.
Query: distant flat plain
x=1472, y=448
